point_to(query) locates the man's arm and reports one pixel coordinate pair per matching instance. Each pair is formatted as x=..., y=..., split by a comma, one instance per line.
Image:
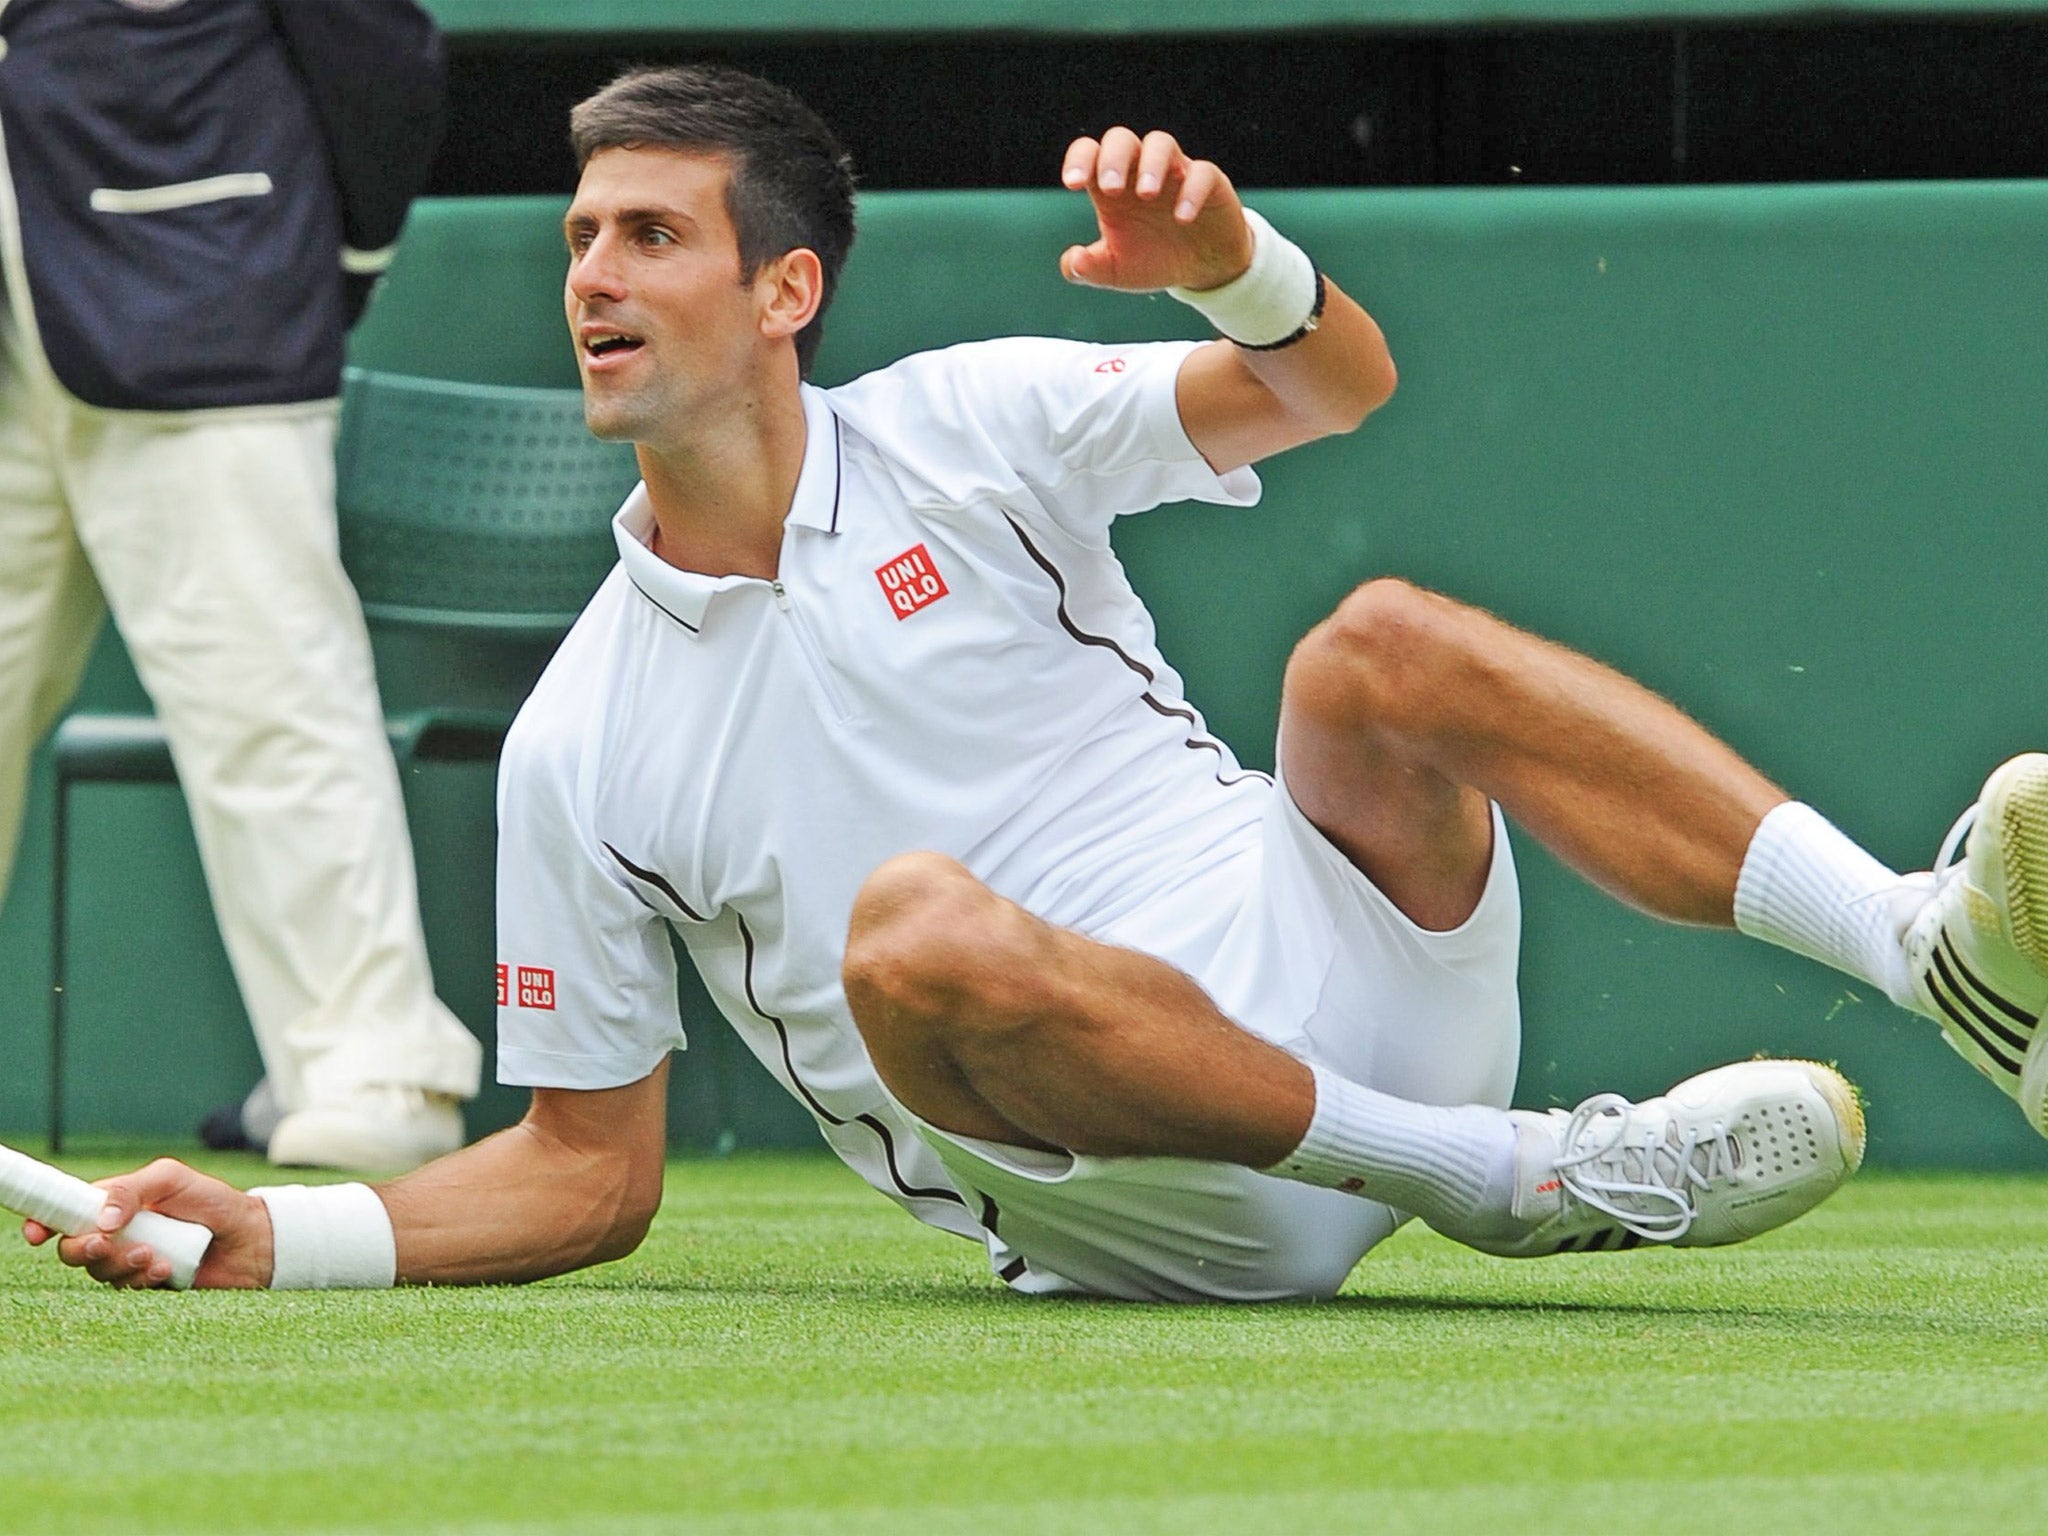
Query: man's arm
x=1168, y=221
x=576, y=1182
x=376, y=73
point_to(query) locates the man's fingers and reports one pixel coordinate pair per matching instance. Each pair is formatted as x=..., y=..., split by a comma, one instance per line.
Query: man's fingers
x=132, y=1268
x=1115, y=159
x=100, y=1253
x=1089, y=265
x=1196, y=189
x=1078, y=169
x=131, y=1265
x=35, y=1232
x=145, y=1189
x=135, y=1266
x=1159, y=160
x=146, y=1270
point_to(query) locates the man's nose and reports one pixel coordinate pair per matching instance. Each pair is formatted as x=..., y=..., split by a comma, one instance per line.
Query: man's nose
x=594, y=272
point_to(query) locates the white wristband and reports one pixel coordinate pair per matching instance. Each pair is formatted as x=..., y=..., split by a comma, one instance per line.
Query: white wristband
x=330, y=1237
x=1277, y=299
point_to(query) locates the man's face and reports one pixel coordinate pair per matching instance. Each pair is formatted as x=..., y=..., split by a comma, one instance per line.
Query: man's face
x=661, y=319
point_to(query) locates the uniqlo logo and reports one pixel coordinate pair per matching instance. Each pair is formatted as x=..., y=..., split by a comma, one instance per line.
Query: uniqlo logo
x=911, y=582
x=504, y=985
x=536, y=987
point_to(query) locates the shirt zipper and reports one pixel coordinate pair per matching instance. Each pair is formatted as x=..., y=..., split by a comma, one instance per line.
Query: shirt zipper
x=812, y=656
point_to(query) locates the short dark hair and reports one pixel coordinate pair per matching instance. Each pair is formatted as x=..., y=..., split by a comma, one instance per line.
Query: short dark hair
x=791, y=186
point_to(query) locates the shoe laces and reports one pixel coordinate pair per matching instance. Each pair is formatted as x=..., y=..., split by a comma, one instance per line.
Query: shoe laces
x=1923, y=929
x=1953, y=843
x=1634, y=1173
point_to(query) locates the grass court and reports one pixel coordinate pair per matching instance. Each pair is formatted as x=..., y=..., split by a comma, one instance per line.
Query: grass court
x=787, y=1353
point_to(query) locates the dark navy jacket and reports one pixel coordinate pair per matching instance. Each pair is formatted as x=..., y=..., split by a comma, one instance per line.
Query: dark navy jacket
x=191, y=175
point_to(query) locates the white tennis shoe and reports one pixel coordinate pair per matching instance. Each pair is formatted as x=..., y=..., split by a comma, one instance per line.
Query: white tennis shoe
x=381, y=1128
x=1977, y=950
x=1720, y=1158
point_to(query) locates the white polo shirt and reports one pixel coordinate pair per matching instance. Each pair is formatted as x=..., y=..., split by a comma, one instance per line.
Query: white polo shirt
x=951, y=658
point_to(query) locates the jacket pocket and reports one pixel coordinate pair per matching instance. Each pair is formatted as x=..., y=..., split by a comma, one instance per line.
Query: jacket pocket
x=181, y=194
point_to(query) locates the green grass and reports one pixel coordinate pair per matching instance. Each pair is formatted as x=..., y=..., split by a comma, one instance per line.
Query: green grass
x=789, y=1354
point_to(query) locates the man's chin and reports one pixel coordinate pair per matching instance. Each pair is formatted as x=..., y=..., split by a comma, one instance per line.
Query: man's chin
x=618, y=414
x=608, y=422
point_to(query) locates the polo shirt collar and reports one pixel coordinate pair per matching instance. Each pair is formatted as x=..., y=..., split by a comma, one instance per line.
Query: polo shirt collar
x=817, y=484
x=685, y=595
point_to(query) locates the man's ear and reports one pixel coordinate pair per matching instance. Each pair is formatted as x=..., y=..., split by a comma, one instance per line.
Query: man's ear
x=790, y=290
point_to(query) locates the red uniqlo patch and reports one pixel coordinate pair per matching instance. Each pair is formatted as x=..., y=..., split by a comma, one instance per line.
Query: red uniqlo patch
x=911, y=581
x=504, y=986
x=536, y=987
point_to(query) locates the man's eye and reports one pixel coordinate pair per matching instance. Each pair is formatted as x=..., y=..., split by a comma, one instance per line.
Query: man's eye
x=657, y=237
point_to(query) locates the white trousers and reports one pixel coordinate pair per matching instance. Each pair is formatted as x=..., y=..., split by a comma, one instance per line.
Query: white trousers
x=213, y=540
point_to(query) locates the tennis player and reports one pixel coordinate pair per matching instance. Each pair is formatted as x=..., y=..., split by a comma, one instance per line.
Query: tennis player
x=870, y=716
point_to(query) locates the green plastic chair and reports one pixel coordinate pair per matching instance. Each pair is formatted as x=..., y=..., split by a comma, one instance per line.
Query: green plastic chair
x=474, y=506
x=477, y=509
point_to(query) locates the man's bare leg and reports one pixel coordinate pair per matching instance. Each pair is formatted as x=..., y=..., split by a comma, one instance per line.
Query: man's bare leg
x=1405, y=712
x=948, y=980
x=985, y=1021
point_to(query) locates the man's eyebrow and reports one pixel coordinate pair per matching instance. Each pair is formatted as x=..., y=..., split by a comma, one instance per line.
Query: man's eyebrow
x=585, y=218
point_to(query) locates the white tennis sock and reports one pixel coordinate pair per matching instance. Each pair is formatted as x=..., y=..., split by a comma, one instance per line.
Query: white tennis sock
x=1452, y=1166
x=1807, y=888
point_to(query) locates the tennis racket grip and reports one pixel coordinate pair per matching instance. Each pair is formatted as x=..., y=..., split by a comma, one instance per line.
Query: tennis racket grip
x=72, y=1206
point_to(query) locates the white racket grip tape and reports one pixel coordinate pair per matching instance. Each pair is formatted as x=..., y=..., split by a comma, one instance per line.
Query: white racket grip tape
x=72, y=1206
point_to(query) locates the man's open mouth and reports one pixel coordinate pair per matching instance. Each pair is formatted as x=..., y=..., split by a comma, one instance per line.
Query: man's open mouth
x=610, y=343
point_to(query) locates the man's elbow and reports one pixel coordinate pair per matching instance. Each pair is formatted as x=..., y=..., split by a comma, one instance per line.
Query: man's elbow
x=628, y=1216
x=1375, y=390
x=1346, y=412
x=625, y=1227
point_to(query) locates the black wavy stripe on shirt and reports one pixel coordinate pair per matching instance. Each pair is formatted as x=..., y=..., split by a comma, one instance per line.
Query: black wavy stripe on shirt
x=810, y=1099
x=1195, y=740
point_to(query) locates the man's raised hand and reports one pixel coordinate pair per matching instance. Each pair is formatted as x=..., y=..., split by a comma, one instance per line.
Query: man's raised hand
x=1166, y=221
x=239, y=1256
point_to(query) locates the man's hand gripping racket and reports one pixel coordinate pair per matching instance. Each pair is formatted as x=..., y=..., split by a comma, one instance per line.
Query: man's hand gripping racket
x=58, y=1203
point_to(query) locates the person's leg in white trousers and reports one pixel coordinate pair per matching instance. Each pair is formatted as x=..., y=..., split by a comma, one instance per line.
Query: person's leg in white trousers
x=49, y=604
x=213, y=538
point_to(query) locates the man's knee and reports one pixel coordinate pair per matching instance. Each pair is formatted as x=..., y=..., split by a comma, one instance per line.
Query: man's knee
x=928, y=941
x=1384, y=658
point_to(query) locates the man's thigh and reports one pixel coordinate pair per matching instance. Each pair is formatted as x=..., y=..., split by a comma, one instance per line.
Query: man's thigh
x=1369, y=694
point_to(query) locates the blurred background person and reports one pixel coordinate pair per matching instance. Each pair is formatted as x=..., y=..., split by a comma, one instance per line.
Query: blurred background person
x=199, y=196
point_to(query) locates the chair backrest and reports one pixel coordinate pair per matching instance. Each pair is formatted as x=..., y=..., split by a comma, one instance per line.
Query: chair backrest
x=474, y=506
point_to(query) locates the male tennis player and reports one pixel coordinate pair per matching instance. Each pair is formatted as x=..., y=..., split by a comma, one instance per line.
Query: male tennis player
x=869, y=714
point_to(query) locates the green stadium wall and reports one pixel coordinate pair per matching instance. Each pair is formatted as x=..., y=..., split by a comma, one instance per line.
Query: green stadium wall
x=1778, y=452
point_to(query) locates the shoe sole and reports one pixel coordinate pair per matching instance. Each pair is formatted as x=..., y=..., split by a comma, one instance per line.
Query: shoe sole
x=2015, y=802
x=1847, y=1104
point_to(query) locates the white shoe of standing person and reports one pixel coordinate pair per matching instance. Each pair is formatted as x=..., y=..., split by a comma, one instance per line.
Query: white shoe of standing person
x=381, y=1128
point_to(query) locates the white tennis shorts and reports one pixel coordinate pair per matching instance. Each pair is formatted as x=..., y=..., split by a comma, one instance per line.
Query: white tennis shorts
x=1312, y=957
